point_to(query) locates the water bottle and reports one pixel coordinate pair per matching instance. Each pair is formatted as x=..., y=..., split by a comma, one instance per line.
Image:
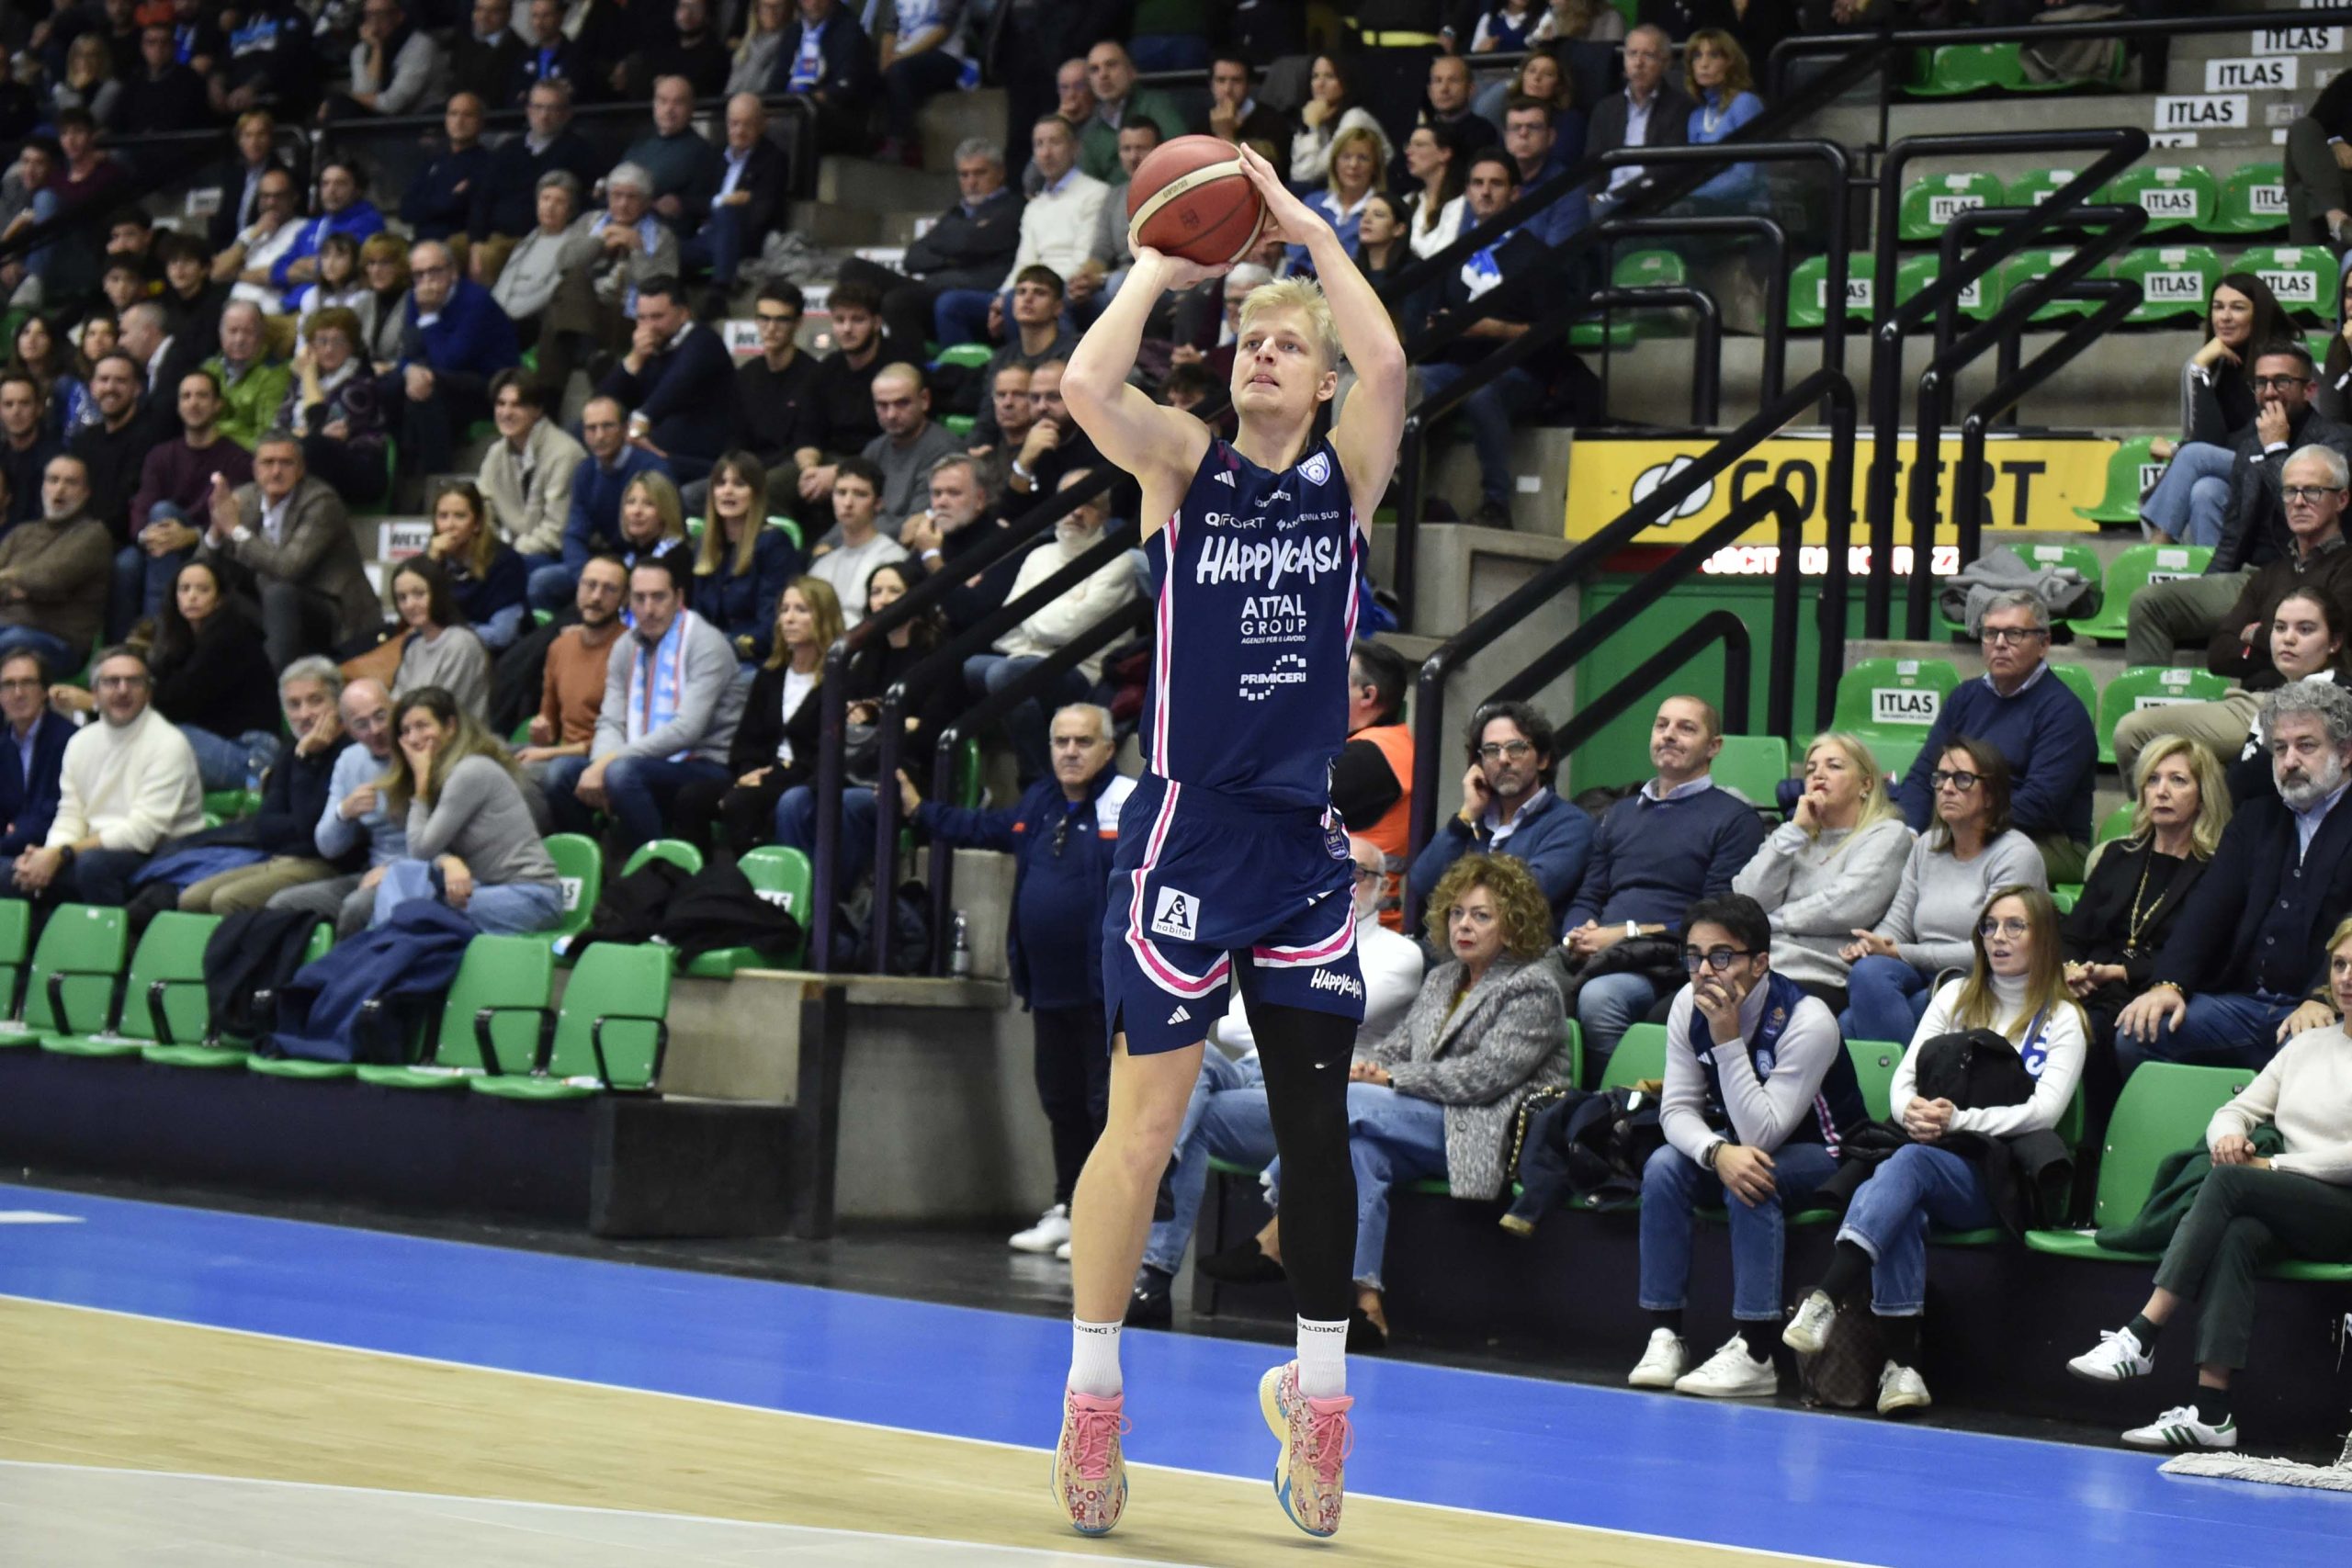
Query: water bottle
x=959, y=953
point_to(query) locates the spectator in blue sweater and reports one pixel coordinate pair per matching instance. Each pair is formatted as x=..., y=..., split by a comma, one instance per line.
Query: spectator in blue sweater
x=1657, y=853
x=439, y=202
x=593, y=524
x=678, y=382
x=29, y=765
x=453, y=340
x=1716, y=74
x=343, y=209
x=1061, y=834
x=1507, y=808
x=2031, y=718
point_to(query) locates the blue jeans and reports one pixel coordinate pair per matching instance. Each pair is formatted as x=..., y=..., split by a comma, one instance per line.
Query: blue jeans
x=1489, y=412
x=504, y=909
x=1391, y=1138
x=222, y=762
x=2218, y=1030
x=1885, y=999
x=1673, y=1182
x=1919, y=1186
x=557, y=781
x=2190, y=503
x=552, y=586
x=1607, y=1006
x=57, y=657
x=719, y=246
x=1028, y=723
x=159, y=571
x=640, y=790
x=796, y=829
x=909, y=82
x=1225, y=1118
x=961, y=315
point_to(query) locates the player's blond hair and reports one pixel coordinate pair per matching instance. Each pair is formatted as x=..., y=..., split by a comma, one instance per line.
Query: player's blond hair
x=1304, y=295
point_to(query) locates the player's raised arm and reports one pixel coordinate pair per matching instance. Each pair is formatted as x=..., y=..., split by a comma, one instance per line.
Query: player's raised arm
x=1126, y=427
x=1368, y=429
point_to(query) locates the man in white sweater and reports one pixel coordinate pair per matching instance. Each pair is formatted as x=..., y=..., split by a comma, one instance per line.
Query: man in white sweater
x=1071, y=613
x=1226, y=1118
x=129, y=781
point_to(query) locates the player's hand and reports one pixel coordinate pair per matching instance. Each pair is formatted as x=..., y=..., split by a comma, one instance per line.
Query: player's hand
x=1174, y=274
x=1287, y=216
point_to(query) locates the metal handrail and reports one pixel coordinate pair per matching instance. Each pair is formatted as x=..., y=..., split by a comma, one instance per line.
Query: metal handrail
x=1706, y=342
x=1773, y=374
x=1715, y=626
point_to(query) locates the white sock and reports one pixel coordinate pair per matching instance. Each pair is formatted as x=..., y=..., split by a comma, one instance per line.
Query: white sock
x=1094, y=1358
x=1322, y=1358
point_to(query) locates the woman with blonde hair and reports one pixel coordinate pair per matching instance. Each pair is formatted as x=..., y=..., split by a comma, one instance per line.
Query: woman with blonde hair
x=1437, y=1097
x=2134, y=891
x=90, y=82
x=742, y=564
x=653, y=524
x=2015, y=994
x=471, y=842
x=383, y=266
x=1837, y=863
x=775, y=747
x=1356, y=176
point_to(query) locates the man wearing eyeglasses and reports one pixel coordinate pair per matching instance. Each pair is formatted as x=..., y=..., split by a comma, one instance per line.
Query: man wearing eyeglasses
x=1060, y=835
x=2031, y=718
x=2182, y=614
x=1759, y=1097
x=1507, y=808
x=31, y=756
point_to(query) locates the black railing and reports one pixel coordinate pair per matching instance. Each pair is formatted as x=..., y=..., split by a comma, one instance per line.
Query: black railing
x=1715, y=626
x=1706, y=343
x=1773, y=374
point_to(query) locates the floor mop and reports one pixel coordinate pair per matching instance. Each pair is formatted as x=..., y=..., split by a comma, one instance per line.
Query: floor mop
x=2337, y=1477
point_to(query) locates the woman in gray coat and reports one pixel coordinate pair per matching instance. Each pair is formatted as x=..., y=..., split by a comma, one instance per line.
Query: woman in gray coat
x=1436, y=1098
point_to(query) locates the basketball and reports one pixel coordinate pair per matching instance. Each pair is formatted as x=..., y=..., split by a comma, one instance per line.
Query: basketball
x=1190, y=198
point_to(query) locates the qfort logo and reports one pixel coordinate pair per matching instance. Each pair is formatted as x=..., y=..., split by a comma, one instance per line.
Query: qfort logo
x=1647, y=482
x=1290, y=669
x=1334, y=981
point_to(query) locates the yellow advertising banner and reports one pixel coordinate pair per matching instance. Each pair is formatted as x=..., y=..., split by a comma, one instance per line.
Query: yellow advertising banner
x=2035, y=482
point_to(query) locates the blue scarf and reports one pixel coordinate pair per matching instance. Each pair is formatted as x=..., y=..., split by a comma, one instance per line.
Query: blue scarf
x=1782, y=996
x=661, y=671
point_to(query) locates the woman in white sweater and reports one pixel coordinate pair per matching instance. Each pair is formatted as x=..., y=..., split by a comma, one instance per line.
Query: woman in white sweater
x=2017, y=990
x=1836, y=862
x=1954, y=865
x=2251, y=1210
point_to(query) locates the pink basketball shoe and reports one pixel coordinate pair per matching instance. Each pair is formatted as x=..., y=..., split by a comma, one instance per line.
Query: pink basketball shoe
x=1315, y=1437
x=1090, y=1472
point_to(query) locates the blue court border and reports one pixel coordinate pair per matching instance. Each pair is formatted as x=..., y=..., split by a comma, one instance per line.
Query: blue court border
x=1857, y=1490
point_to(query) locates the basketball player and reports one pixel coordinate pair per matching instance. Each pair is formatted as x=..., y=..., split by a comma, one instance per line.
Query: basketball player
x=1231, y=863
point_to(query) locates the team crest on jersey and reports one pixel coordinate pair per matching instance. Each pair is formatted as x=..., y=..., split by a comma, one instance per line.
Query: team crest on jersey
x=1316, y=468
x=1177, y=915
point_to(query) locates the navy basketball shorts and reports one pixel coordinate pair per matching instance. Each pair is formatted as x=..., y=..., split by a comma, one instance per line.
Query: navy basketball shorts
x=1203, y=888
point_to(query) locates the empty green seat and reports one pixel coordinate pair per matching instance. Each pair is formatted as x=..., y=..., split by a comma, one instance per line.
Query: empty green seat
x=16, y=940
x=2253, y=200
x=1913, y=275
x=1809, y=292
x=1894, y=698
x=2173, y=196
x=2026, y=266
x=2132, y=570
x=969, y=356
x=1648, y=270
x=212, y=1051
x=609, y=1034
x=164, y=998
x=2176, y=281
x=1929, y=205
x=580, y=871
x=2302, y=276
x=782, y=876
x=1754, y=765
x=497, y=1003
x=1640, y=1054
x=1961, y=68
x=2131, y=467
x=677, y=851
x=2038, y=186
x=1616, y=331
x=2149, y=686
x=71, y=986
x=2164, y=1109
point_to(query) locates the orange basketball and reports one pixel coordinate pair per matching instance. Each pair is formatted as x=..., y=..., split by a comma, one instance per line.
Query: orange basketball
x=1190, y=198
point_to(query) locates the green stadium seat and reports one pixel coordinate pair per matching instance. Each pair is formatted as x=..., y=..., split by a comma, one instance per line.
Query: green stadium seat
x=580, y=871
x=1893, y=699
x=1808, y=285
x=2063, y=896
x=2164, y=1109
x=2082, y=558
x=1640, y=1054
x=498, y=1003
x=1913, y=274
x=1754, y=765
x=2253, y=200
x=217, y=1053
x=2077, y=679
x=609, y=1034
x=781, y=877
x=677, y=851
x=2174, y=196
x=2176, y=281
x=2132, y=570
x=957, y=423
x=16, y=942
x=969, y=356
x=970, y=786
x=2148, y=686
x=1875, y=1064
x=1929, y=205
x=2302, y=276
x=791, y=530
x=1648, y=270
x=71, y=986
x=1958, y=69
x=2026, y=266
x=2116, y=824
x=2033, y=188
x=2130, y=470
x=1574, y=1038
x=1895, y=753
x=164, y=998
x=1616, y=331
x=229, y=805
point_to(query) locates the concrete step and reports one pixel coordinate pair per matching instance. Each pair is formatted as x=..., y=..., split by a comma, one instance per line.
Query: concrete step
x=951, y=117
x=866, y=184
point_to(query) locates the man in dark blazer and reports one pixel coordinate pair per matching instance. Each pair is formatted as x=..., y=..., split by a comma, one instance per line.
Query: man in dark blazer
x=288, y=545
x=1651, y=112
x=753, y=187
x=828, y=58
x=969, y=247
x=2245, y=967
x=677, y=381
x=33, y=750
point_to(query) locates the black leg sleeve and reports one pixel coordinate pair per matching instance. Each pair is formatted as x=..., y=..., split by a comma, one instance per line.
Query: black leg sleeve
x=1306, y=1056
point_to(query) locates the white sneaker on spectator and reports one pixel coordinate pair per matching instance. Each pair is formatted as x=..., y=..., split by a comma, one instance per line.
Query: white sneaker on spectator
x=1662, y=1362
x=2119, y=1356
x=1732, y=1373
x=1808, y=1330
x=1052, y=1230
x=2180, y=1429
x=1901, y=1388
x=1062, y=1252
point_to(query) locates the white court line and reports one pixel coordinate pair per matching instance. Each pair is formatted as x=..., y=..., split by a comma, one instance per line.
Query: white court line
x=36, y=1218
x=918, y=1431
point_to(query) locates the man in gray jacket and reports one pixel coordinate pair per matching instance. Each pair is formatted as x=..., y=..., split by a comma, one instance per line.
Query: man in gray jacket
x=289, y=538
x=671, y=706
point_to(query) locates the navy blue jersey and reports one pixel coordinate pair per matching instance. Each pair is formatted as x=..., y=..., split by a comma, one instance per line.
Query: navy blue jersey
x=1257, y=575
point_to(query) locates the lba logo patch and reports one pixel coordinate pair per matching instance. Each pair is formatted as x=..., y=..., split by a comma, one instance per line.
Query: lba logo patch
x=1318, y=469
x=1177, y=915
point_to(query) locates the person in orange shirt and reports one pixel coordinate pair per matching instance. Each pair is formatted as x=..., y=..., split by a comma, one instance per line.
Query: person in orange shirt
x=1371, y=784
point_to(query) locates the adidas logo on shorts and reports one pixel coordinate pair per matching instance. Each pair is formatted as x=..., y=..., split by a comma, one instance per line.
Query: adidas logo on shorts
x=1182, y=1015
